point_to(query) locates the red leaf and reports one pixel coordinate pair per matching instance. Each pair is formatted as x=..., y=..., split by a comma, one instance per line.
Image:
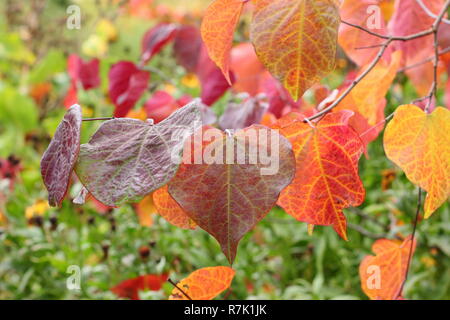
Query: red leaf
x=160, y=106
x=130, y=288
x=59, y=159
x=187, y=45
x=127, y=83
x=227, y=198
x=9, y=171
x=155, y=39
x=86, y=73
x=213, y=83
x=280, y=101
x=71, y=96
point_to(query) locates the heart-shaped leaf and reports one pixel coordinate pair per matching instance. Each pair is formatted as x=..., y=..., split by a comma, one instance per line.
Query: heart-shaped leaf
x=419, y=143
x=59, y=159
x=237, y=182
x=296, y=40
x=127, y=159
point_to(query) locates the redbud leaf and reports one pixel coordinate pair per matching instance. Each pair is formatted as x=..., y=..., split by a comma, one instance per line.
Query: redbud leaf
x=127, y=159
x=61, y=155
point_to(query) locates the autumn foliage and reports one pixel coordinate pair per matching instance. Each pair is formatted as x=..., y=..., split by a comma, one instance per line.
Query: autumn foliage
x=293, y=45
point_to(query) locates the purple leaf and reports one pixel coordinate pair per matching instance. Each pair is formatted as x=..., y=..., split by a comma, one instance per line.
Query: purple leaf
x=59, y=159
x=127, y=159
x=240, y=116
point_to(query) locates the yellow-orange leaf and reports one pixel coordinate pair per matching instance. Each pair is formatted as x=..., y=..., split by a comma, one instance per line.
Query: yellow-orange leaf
x=367, y=99
x=296, y=40
x=326, y=179
x=204, y=284
x=419, y=143
x=219, y=22
x=367, y=95
x=169, y=209
x=145, y=209
x=382, y=275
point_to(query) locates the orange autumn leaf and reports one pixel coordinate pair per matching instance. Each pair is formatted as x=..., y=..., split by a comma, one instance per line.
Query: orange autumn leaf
x=204, y=284
x=419, y=144
x=169, y=209
x=145, y=208
x=387, y=8
x=368, y=100
x=326, y=179
x=3, y=219
x=248, y=70
x=351, y=39
x=382, y=275
x=137, y=114
x=219, y=22
x=296, y=40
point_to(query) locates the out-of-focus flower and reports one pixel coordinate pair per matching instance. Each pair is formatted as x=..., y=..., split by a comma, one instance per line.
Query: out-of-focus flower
x=37, y=209
x=95, y=46
x=106, y=30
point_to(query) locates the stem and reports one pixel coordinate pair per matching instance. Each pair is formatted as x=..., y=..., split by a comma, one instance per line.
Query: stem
x=418, y=64
x=389, y=39
x=353, y=85
x=435, y=29
x=399, y=38
x=176, y=286
x=416, y=220
x=98, y=119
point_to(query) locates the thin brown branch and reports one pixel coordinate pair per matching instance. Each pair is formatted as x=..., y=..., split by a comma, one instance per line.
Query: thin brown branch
x=395, y=38
x=435, y=29
x=416, y=220
x=370, y=47
x=181, y=290
x=354, y=83
x=389, y=39
x=418, y=64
